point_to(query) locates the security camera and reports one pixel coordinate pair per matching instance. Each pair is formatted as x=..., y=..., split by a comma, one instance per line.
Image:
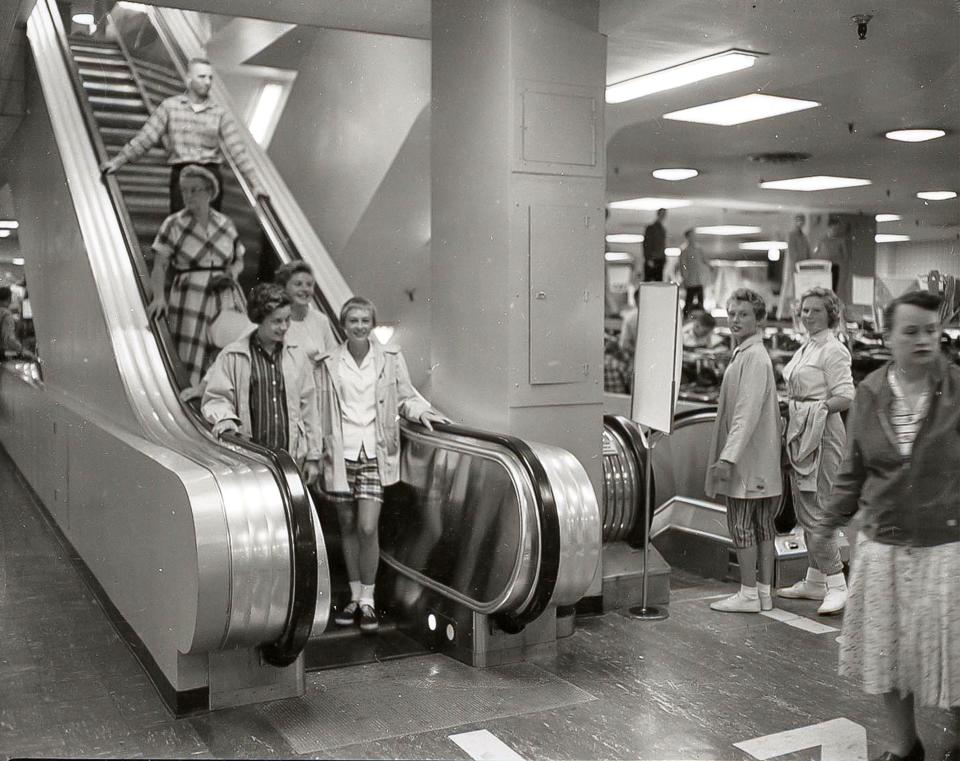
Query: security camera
x=861, y=20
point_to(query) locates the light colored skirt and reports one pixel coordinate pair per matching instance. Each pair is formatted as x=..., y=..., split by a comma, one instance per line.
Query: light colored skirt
x=901, y=625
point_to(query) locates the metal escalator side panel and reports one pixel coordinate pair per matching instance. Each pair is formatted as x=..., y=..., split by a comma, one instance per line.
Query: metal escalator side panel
x=578, y=522
x=462, y=522
x=245, y=489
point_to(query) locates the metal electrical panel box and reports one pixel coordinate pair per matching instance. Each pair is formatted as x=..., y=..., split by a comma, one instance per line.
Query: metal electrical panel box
x=558, y=129
x=563, y=322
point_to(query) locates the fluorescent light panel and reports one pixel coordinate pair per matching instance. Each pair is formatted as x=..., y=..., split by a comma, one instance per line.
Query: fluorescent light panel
x=9, y=224
x=649, y=204
x=915, y=135
x=674, y=175
x=617, y=256
x=84, y=19
x=746, y=108
x=887, y=217
x=888, y=238
x=936, y=195
x=4, y=233
x=133, y=6
x=728, y=230
x=672, y=251
x=624, y=238
x=817, y=182
x=680, y=75
x=18, y=260
x=763, y=245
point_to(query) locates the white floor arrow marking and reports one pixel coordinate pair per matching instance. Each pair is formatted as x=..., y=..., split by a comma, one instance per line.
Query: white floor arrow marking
x=838, y=739
x=798, y=622
x=485, y=746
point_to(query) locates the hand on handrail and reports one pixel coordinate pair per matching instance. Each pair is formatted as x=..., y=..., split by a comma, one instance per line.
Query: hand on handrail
x=432, y=416
x=311, y=472
x=225, y=426
x=157, y=308
x=109, y=166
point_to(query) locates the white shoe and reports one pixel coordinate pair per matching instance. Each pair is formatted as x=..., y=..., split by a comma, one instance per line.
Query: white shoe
x=737, y=603
x=836, y=596
x=766, y=601
x=804, y=590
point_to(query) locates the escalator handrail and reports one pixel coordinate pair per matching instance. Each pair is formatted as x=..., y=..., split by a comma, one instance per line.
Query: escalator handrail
x=295, y=499
x=549, y=522
x=262, y=205
x=627, y=431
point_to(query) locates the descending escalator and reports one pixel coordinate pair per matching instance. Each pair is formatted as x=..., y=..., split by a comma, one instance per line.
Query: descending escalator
x=543, y=522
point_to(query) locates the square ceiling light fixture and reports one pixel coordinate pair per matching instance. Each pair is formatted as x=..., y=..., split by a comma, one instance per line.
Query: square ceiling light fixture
x=746, y=108
x=888, y=238
x=817, y=182
x=624, y=238
x=649, y=204
x=680, y=75
x=887, y=217
x=763, y=245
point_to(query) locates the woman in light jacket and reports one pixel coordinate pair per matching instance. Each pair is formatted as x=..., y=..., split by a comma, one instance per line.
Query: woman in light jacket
x=364, y=388
x=820, y=386
x=745, y=454
x=901, y=627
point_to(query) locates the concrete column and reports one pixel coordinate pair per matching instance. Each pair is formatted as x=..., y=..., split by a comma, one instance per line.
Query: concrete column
x=518, y=178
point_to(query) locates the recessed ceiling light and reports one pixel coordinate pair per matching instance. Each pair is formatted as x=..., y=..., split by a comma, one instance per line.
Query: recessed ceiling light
x=887, y=238
x=617, y=256
x=624, y=238
x=818, y=182
x=773, y=255
x=728, y=230
x=649, y=204
x=672, y=251
x=915, y=135
x=746, y=108
x=887, y=217
x=18, y=260
x=84, y=19
x=936, y=195
x=682, y=74
x=674, y=174
x=4, y=233
x=9, y=224
x=763, y=245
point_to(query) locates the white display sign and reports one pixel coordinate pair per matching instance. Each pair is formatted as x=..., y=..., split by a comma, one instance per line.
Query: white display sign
x=812, y=273
x=862, y=290
x=658, y=358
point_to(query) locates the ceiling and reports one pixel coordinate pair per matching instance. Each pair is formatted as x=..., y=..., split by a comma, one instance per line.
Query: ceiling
x=905, y=74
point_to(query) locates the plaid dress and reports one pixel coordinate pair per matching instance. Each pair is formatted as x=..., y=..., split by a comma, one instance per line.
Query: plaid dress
x=195, y=255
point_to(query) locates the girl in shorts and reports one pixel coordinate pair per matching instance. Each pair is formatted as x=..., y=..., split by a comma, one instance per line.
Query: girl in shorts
x=364, y=387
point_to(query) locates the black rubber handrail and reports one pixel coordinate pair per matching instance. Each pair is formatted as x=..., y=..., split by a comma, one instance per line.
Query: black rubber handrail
x=546, y=504
x=296, y=501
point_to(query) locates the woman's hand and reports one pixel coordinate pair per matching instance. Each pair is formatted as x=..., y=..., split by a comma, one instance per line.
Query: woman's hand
x=430, y=416
x=722, y=470
x=157, y=307
x=311, y=472
x=225, y=426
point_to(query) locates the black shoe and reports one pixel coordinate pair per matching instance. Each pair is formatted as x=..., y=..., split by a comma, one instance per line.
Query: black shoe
x=916, y=754
x=347, y=615
x=369, y=623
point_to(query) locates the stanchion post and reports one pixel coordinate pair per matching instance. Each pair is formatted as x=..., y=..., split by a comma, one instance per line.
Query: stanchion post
x=647, y=612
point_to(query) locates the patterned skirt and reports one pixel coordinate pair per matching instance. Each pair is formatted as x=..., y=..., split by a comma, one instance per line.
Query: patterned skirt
x=192, y=309
x=901, y=625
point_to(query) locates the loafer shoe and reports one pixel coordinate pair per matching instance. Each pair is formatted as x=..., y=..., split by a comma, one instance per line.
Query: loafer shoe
x=369, y=623
x=804, y=590
x=347, y=615
x=737, y=603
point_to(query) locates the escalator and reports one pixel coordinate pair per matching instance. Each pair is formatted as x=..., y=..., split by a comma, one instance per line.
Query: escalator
x=256, y=578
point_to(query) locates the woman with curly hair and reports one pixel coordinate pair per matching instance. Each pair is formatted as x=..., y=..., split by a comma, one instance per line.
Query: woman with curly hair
x=820, y=387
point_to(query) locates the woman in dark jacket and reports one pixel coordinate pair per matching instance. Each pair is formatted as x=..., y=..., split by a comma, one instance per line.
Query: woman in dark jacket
x=901, y=630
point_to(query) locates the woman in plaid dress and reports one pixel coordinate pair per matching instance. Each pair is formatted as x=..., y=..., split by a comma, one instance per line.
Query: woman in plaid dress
x=199, y=243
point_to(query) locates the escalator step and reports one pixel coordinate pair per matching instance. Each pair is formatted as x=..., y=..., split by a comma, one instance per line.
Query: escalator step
x=101, y=60
x=119, y=118
x=82, y=48
x=116, y=104
x=122, y=75
x=113, y=88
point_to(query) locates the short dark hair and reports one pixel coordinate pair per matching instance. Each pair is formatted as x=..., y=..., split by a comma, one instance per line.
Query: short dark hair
x=264, y=299
x=755, y=300
x=5, y=293
x=288, y=270
x=925, y=300
x=704, y=319
x=357, y=302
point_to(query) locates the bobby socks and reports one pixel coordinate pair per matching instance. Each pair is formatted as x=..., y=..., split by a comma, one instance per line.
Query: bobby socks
x=763, y=589
x=355, y=591
x=366, y=594
x=749, y=592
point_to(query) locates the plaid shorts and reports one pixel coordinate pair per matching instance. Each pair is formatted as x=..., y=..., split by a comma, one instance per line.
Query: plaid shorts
x=363, y=479
x=751, y=521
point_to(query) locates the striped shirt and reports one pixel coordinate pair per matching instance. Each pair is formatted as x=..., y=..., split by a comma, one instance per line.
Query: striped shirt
x=268, y=396
x=906, y=420
x=193, y=134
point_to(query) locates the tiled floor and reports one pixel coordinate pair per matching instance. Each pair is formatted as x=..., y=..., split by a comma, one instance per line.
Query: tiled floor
x=685, y=688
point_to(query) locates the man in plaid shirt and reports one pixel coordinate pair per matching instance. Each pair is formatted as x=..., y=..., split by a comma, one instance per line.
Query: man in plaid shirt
x=193, y=126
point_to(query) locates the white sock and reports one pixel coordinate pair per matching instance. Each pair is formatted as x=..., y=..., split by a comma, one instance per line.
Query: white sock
x=355, y=590
x=763, y=590
x=366, y=594
x=749, y=592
